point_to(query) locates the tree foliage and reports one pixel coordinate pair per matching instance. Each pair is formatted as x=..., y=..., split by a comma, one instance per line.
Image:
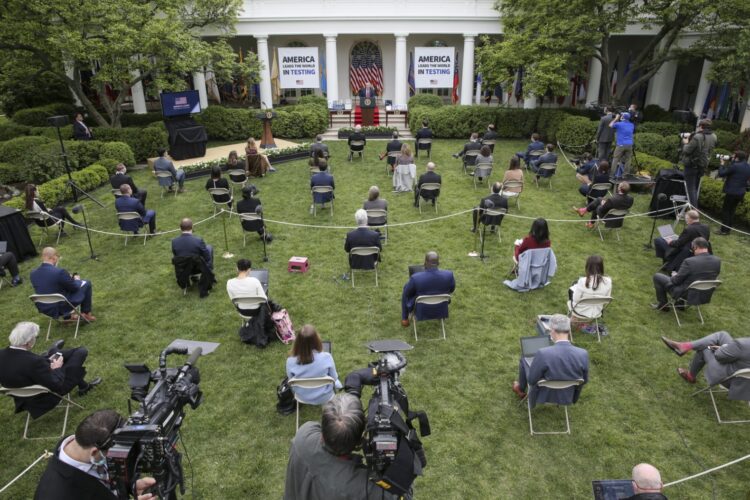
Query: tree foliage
x=552, y=39
x=122, y=42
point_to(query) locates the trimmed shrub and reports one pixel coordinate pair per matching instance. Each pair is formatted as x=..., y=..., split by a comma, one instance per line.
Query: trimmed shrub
x=133, y=120
x=428, y=100
x=655, y=113
x=295, y=122
x=84, y=153
x=118, y=151
x=11, y=173
x=652, y=164
x=57, y=190
x=20, y=149
x=51, y=132
x=517, y=123
x=229, y=124
x=108, y=163
x=37, y=117
x=652, y=144
x=725, y=139
x=144, y=142
x=726, y=126
x=12, y=130
x=461, y=121
x=742, y=142
x=313, y=100
x=416, y=115
x=662, y=128
x=576, y=133
x=549, y=122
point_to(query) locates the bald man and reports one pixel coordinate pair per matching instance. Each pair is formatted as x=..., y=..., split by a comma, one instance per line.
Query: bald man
x=429, y=177
x=431, y=281
x=48, y=278
x=647, y=483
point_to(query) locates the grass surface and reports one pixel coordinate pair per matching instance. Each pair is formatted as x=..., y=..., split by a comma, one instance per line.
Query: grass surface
x=634, y=408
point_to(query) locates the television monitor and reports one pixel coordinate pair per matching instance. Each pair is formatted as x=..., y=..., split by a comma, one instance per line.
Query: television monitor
x=180, y=103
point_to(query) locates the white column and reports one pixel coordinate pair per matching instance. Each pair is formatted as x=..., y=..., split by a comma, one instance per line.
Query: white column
x=661, y=85
x=529, y=102
x=478, y=93
x=594, y=81
x=332, y=68
x=139, y=98
x=703, y=87
x=199, y=82
x=467, y=73
x=400, y=98
x=265, y=73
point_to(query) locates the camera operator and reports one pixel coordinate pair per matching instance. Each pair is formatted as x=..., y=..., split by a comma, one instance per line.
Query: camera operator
x=696, y=151
x=624, y=130
x=321, y=463
x=77, y=469
x=736, y=176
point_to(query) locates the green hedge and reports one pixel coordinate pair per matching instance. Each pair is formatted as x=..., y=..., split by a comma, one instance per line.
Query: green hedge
x=725, y=125
x=428, y=100
x=10, y=130
x=144, y=141
x=725, y=138
x=133, y=120
x=667, y=147
x=37, y=117
x=742, y=142
x=118, y=151
x=57, y=190
x=10, y=173
x=661, y=128
x=516, y=123
x=313, y=100
x=576, y=133
x=300, y=121
x=20, y=149
x=229, y=124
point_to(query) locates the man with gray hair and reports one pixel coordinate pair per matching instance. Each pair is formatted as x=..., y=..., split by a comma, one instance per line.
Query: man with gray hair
x=560, y=361
x=363, y=236
x=121, y=177
x=647, y=483
x=321, y=464
x=429, y=177
x=58, y=370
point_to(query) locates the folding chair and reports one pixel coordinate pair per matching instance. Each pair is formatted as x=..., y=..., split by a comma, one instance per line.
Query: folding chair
x=321, y=189
x=44, y=221
x=3, y=279
x=378, y=213
x=472, y=153
x=364, y=252
x=352, y=151
x=394, y=155
x=219, y=205
x=128, y=216
x=720, y=387
x=309, y=383
x=429, y=300
x=31, y=391
x=512, y=194
x=428, y=186
x=613, y=221
x=237, y=177
x=574, y=313
x=116, y=193
x=249, y=303
x=545, y=167
x=491, y=143
x=484, y=171
x=494, y=214
x=57, y=298
x=165, y=181
x=424, y=141
x=533, y=156
x=557, y=385
x=599, y=190
x=701, y=299
x=251, y=217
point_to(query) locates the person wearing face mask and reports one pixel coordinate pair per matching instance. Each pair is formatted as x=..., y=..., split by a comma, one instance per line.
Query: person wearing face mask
x=78, y=469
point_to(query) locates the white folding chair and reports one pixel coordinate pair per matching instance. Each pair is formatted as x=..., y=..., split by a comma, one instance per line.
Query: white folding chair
x=533, y=156
x=321, y=189
x=127, y=216
x=575, y=313
x=425, y=141
x=428, y=186
x=491, y=212
x=237, y=177
x=507, y=185
x=220, y=205
x=719, y=387
x=57, y=298
x=379, y=213
x=556, y=385
x=162, y=176
x=491, y=143
x=472, y=153
x=3, y=279
x=251, y=217
x=545, y=167
x=248, y=303
x=309, y=383
x=31, y=391
x=605, y=187
x=700, y=285
x=484, y=171
x=364, y=252
x=45, y=223
x=361, y=152
x=430, y=300
x=612, y=221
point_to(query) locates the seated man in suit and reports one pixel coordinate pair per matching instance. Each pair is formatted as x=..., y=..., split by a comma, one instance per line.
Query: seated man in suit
x=393, y=145
x=363, y=236
x=164, y=164
x=58, y=370
x=186, y=244
x=472, y=145
x=322, y=178
x=702, y=266
x=723, y=355
x=121, y=177
x=423, y=133
x=599, y=207
x=490, y=135
x=560, y=361
x=78, y=466
x=318, y=146
x=736, y=177
x=599, y=175
x=494, y=200
x=429, y=177
x=9, y=262
x=586, y=168
x=431, y=281
x=535, y=145
x=250, y=203
x=48, y=278
x=126, y=203
x=673, y=252
x=356, y=136
x=548, y=157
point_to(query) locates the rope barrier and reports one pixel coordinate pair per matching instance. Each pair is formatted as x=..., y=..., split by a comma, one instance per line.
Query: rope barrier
x=720, y=223
x=707, y=471
x=44, y=455
x=559, y=146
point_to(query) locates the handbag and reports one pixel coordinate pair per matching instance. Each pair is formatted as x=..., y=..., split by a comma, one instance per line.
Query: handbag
x=286, y=403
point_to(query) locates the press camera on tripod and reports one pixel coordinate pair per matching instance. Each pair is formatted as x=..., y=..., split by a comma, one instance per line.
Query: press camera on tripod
x=147, y=443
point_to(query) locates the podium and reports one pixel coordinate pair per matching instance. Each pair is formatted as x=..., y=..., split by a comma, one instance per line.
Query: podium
x=187, y=139
x=367, y=105
x=266, y=117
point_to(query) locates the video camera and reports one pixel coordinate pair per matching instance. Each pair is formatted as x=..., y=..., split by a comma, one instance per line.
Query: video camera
x=685, y=135
x=147, y=443
x=392, y=449
x=723, y=157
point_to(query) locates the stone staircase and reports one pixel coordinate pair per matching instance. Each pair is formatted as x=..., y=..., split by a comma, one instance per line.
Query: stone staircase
x=342, y=121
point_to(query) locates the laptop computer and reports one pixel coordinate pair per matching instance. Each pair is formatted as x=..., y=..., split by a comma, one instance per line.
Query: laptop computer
x=531, y=345
x=328, y=347
x=418, y=268
x=3, y=247
x=667, y=232
x=612, y=489
x=262, y=276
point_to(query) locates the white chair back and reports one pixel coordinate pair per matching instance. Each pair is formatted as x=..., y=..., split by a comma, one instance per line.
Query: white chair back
x=128, y=215
x=704, y=285
x=356, y=144
x=424, y=141
x=433, y=299
x=377, y=213
x=559, y=384
x=364, y=251
x=429, y=186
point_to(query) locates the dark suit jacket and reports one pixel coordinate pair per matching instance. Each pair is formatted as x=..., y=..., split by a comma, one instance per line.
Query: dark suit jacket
x=490, y=135
x=535, y=146
x=79, y=132
x=118, y=180
x=363, y=92
x=547, y=158
x=427, y=282
x=615, y=202
x=50, y=279
x=562, y=361
x=498, y=202
x=20, y=368
x=130, y=204
x=687, y=236
x=61, y=481
x=248, y=206
x=424, y=133
x=362, y=237
x=732, y=357
x=357, y=137
x=737, y=175
x=700, y=267
x=322, y=179
x=605, y=133
x=394, y=145
x=319, y=146
x=429, y=178
x=470, y=146
x=188, y=244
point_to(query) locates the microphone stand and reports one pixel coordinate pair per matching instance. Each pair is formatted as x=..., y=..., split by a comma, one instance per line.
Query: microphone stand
x=263, y=237
x=79, y=208
x=660, y=198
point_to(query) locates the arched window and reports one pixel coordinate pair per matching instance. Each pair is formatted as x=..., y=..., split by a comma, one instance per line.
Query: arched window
x=366, y=65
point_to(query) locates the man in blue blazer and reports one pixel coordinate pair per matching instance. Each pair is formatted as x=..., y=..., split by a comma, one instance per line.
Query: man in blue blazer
x=431, y=281
x=736, y=177
x=48, y=278
x=561, y=361
x=363, y=236
x=548, y=157
x=535, y=145
x=188, y=245
x=322, y=178
x=126, y=203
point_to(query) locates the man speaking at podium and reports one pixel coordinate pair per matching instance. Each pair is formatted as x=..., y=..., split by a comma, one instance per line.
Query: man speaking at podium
x=367, y=92
x=367, y=102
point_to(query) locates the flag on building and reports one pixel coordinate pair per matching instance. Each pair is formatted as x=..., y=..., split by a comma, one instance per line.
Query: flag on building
x=454, y=94
x=366, y=66
x=722, y=110
x=709, y=105
x=412, y=85
x=613, y=80
x=323, y=76
x=275, y=84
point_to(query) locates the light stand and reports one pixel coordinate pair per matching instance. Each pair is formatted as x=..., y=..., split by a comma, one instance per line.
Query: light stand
x=661, y=197
x=79, y=208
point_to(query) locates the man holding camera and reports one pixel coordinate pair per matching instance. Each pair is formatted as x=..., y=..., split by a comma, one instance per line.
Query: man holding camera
x=321, y=464
x=624, y=130
x=736, y=176
x=77, y=469
x=696, y=152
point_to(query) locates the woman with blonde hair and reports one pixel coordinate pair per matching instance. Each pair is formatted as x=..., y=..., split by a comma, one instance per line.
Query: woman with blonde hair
x=256, y=164
x=306, y=360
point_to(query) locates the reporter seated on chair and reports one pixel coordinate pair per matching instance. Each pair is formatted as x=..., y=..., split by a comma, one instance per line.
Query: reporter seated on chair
x=548, y=157
x=217, y=181
x=702, y=266
x=58, y=370
x=308, y=360
x=49, y=279
x=164, y=164
x=33, y=203
x=600, y=207
x=647, y=483
x=431, y=281
x=594, y=284
x=721, y=355
x=675, y=251
x=121, y=177
x=250, y=204
x=429, y=177
x=363, y=236
x=126, y=203
x=599, y=175
x=186, y=244
x=538, y=237
x=322, y=178
x=535, y=145
x=245, y=285
x=492, y=202
x=375, y=202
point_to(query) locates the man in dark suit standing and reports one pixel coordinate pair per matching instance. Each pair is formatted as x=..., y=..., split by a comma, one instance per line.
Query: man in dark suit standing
x=250, y=204
x=80, y=131
x=362, y=237
x=702, y=266
x=48, y=278
x=493, y=201
x=604, y=135
x=187, y=244
x=673, y=252
x=58, y=370
x=319, y=146
x=120, y=177
x=423, y=133
x=472, y=145
x=736, y=177
x=368, y=91
x=599, y=207
x=429, y=177
x=77, y=470
x=356, y=136
x=322, y=178
x=490, y=135
x=561, y=361
x=126, y=203
x=431, y=281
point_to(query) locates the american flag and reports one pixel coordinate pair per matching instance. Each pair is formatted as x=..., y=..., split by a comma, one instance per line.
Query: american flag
x=366, y=66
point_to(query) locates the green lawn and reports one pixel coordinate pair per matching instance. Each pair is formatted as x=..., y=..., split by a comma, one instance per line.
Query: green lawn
x=635, y=408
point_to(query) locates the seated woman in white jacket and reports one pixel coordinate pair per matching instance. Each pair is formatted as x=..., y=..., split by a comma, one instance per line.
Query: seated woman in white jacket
x=594, y=284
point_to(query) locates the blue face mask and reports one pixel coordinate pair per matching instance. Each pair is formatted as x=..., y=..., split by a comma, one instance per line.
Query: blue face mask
x=102, y=462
